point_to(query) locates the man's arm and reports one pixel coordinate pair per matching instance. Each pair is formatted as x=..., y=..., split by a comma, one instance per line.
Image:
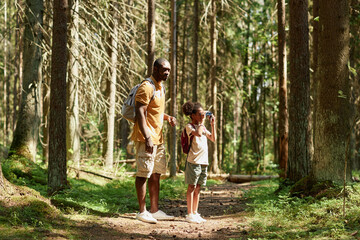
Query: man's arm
x=140, y=110
x=170, y=119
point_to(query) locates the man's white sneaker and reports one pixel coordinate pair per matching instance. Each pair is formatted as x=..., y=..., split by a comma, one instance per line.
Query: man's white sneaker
x=198, y=216
x=160, y=215
x=191, y=218
x=146, y=217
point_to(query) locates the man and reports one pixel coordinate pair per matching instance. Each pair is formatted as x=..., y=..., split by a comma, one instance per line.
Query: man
x=149, y=143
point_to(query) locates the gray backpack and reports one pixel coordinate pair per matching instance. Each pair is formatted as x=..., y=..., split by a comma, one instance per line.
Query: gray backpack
x=128, y=108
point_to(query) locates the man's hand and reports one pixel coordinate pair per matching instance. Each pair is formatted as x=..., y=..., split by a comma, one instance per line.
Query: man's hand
x=172, y=121
x=149, y=146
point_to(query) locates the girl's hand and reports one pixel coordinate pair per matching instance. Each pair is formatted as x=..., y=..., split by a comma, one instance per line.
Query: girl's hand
x=212, y=119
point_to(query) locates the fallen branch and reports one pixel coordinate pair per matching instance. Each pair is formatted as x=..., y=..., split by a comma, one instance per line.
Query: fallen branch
x=93, y=173
x=248, y=178
x=125, y=161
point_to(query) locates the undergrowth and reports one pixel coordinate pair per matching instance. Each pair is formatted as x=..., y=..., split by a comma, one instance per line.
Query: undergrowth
x=281, y=216
x=89, y=195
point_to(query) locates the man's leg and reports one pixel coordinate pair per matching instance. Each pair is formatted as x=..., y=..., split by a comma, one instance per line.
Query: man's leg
x=154, y=189
x=140, y=184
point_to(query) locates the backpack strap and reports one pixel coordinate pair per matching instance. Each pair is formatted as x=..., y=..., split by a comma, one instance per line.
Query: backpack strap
x=152, y=84
x=191, y=139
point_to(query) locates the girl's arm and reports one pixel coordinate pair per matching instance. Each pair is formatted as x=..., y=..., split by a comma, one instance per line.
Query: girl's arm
x=212, y=136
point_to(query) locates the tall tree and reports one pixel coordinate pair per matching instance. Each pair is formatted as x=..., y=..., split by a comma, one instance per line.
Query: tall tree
x=72, y=119
x=18, y=59
x=283, y=114
x=27, y=127
x=213, y=39
x=299, y=101
x=173, y=90
x=195, y=51
x=151, y=36
x=355, y=71
x=333, y=109
x=315, y=53
x=57, y=132
x=108, y=150
x=6, y=81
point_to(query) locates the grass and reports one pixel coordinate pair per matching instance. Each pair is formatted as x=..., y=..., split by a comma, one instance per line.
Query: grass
x=27, y=217
x=269, y=215
x=91, y=195
x=280, y=216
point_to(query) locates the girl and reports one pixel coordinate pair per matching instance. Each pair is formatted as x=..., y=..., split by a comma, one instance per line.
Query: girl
x=197, y=158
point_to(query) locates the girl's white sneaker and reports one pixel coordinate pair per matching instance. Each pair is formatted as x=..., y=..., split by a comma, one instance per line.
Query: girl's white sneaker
x=198, y=216
x=192, y=218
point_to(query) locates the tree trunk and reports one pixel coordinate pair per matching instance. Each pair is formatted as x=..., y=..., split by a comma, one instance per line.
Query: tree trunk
x=220, y=141
x=333, y=109
x=46, y=91
x=72, y=119
x=6, y=82
x=151, y=36
x=245, y=90
x=5, y=186
x=236, y=134
x=111, y=90
x=173, y=90
x=213, y=154
x=283, y=114
x=57, y=133
x=299, y=102
x=355, y=73
x=195, y=51
x=45, y=121
x=19, y=60
x=27, y=127
x=184, y=78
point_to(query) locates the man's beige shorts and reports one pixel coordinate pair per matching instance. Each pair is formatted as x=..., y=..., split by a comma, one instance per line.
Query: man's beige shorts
x=147, y=163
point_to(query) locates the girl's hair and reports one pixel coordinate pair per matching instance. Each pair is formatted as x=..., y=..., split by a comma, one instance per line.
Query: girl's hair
x=191, y=107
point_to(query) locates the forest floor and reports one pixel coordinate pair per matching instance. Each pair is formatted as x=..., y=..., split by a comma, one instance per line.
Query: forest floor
x=221, y=205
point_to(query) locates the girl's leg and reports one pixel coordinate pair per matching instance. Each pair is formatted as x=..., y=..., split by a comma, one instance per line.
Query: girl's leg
x=196, y=198
x=190, y=198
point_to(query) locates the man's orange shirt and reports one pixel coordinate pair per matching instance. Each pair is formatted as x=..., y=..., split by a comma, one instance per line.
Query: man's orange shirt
x=155, y=111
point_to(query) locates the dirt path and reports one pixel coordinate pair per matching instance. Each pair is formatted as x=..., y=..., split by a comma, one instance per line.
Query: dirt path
x=221, y=205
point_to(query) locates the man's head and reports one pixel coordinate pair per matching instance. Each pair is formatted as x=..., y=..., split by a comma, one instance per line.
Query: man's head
x=161, y=69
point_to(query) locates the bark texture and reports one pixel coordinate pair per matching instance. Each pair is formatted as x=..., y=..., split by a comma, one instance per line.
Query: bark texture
x=57, y=133
x=299, y=99
x=173, y=90
x=151, y=36
x=27, y=127
x=195, y=51
x=283, y=109
x=72, y=113
x=110, y=93
x=213, y=155
x=333, y=109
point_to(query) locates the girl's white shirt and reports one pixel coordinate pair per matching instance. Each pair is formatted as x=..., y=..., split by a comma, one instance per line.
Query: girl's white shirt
x=198, y=153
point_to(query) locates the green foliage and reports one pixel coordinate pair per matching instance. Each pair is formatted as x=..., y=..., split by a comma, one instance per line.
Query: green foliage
x=27, y=211
x=280, y=216
x=22, y=171
x=93, y=196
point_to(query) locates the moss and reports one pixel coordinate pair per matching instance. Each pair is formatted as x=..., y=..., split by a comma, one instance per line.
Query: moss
x=69, y=207
x=308, y=187
x=17, y=167
x=27, y=210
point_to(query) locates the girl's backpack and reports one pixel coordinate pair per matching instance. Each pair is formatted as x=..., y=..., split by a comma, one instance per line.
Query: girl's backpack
x=185, y=141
